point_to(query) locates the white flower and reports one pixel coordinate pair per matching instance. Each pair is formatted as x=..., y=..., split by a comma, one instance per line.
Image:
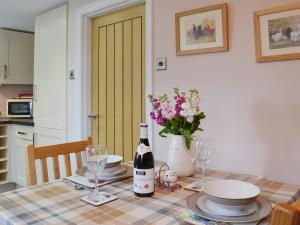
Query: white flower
x=190, y=119
x=167, y=111
x=185, y=105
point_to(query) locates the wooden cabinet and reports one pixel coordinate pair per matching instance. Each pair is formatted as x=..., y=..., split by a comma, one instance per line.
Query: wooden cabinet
x=16, y=57
x=50, y=70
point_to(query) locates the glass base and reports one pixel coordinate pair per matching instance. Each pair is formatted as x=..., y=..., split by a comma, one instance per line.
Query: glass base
x=97, y=196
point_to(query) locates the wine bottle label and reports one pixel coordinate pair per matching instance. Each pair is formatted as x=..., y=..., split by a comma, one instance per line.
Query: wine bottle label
x=143, y=181
x=142, y=149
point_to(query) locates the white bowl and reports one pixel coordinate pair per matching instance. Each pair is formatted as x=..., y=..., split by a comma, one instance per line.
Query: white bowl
x=113, y=160
x=231, y=192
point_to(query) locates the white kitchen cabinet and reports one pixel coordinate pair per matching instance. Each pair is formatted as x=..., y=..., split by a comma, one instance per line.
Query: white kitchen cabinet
x=3, y=53
x=16, y=57
x=45, y=136
x=50, y=70
x=50, y=83
x=20, y=137
x=20, y=161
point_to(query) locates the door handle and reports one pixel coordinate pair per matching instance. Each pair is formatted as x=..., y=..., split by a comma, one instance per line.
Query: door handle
x=93, y=115
x=5, y=71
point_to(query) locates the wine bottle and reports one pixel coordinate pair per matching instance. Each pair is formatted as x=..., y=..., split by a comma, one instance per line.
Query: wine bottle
x=143, y=177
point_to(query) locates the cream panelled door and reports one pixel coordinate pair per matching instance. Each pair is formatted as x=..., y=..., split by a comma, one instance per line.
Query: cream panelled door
x=118, y=79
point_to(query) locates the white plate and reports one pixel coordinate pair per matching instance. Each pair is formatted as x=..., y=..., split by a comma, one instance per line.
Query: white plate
x=114, y=171
x=211, y=207
x=264, y=209
x=113, y=160
x=84, y=172
x=231, y=192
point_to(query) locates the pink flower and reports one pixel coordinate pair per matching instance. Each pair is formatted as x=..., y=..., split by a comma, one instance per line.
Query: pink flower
x=160, y=120
x=152, y=115
x=170, y=115
x=185, y=108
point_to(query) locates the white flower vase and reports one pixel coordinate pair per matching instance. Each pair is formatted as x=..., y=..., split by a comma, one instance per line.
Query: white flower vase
x=180, y=159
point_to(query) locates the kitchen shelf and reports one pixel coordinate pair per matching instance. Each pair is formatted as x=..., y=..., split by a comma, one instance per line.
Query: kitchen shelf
x=3, y=142
x=3, y=165
x=3, y=178
x=3, y=171
x=4, y=182
x=3, y=154
x=3, y=130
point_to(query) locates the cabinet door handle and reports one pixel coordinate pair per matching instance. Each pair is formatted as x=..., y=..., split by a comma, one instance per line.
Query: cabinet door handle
x=21, y=132
x=34, y=92
x=34, y=138
x=5, y=71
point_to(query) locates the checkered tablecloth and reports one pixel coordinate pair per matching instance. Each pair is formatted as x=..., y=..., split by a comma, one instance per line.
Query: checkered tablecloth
x=58, y=203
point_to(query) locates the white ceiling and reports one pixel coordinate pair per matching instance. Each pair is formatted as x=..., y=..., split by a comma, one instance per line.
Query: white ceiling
x=20, y=14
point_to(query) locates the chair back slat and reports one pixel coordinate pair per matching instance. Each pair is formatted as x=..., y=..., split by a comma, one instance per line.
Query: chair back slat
x=45, y=170
x=31, y=169
x=53, y=151
x=56, y=167
x=78, y=159
x=68, y=164
x=60, y=149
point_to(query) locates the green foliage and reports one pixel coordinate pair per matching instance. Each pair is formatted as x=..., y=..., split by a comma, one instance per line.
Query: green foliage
x=179, y=126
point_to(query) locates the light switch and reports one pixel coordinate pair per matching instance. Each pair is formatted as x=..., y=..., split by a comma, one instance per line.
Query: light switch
x=161, y=63
x=71, y=75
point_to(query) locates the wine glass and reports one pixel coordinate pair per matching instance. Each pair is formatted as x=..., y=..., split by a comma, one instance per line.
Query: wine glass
x=204, y=155
x=96, y=158
x=197, y=145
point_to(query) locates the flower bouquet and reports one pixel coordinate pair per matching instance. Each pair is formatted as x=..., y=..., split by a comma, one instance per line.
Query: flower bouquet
x=180, y=118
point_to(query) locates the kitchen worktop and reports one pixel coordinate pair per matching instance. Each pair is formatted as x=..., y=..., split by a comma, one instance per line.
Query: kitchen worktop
x=25, y=122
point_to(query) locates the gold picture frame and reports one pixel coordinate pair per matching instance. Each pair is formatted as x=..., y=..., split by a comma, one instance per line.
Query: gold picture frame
x=277, y=33
x=202, y=30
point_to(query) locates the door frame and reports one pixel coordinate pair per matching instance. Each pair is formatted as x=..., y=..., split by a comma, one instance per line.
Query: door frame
x=82, y=53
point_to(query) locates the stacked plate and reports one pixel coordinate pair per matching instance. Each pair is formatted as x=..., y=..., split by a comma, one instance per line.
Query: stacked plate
x=230, y=201
x=113, y=170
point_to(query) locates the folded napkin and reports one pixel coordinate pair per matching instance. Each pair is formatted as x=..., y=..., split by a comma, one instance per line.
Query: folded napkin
x=197, y=185
x=84, y=181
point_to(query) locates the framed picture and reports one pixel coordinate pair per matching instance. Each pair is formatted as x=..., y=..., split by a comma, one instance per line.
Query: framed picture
x=202, y=30
x=277, y=33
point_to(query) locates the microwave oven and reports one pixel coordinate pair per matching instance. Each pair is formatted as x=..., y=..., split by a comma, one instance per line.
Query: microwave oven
x=19, y=108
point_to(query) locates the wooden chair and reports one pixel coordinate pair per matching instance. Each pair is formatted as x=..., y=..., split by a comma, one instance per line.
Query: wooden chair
x=284, y=214
x=53, y=151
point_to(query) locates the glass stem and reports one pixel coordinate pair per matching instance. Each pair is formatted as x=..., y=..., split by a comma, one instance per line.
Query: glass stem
x=203, y=170
x=96, y=185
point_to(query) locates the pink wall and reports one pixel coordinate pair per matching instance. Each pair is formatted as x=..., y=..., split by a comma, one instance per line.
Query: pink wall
x=12, y=91
x=252, y=108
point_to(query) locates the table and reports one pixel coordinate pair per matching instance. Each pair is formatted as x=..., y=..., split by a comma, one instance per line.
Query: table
x=58, y=203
